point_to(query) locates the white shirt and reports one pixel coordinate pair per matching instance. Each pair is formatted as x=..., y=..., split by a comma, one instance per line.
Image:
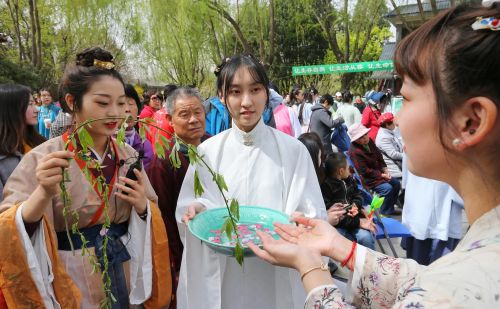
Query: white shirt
x=432, y=209
x=264, y=168
x=350, y=114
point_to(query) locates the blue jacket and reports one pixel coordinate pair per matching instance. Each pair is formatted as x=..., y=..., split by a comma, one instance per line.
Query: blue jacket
x=49, y=112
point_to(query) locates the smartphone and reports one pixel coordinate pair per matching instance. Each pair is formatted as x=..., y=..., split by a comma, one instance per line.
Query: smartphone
x=347, y=207
x=136, y=165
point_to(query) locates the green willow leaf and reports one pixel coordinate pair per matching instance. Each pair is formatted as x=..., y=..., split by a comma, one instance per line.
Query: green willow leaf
x=235, y=209
x=160, y=151
x=73, y=141
x=192, y=155
x=85, y=139
x=198, y=188
x=120, y=136
x=228, y=228
x=174, y=158
x=142, y=133
x=147, y=128
x=66, y=175
x=165, y=142
x=238, y=253
x=220, y=181
x=99, y=187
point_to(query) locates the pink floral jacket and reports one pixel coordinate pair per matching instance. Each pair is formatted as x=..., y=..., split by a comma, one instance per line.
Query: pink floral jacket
x=469, y=277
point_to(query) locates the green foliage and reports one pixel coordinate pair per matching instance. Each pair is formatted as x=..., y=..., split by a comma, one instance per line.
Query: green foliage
x=198, y=188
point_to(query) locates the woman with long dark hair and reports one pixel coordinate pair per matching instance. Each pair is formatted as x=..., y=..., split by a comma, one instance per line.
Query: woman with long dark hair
x=18, y=118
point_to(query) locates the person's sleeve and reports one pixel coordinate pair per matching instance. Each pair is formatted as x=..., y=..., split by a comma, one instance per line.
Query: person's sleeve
x=326, y=297
x=365, y=118
x=349, y=222
x=357, y=116
x=377, y=278
x=356, y=196
x=328, y=121
x=361, y=166
x=385, y=144
x=294, y=121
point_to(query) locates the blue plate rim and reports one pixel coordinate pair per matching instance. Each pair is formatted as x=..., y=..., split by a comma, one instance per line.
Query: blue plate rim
x=219, y=209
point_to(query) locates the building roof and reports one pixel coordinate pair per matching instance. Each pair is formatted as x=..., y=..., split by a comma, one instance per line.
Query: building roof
x=387, y=54
x=413, y=10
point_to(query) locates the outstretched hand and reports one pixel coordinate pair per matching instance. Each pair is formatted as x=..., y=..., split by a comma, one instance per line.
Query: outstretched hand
x=279, y=251
x=314, y=234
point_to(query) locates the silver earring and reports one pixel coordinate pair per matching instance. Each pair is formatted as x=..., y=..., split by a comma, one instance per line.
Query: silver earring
x=456, y=142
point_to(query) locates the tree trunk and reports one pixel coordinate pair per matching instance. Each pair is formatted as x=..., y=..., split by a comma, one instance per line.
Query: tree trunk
x=398, y=12
x=217, y=47
x=14, y=15
x=346, y=80
x=34, y=49
x=39, y=34
x=346, y=32
x=247, y=48
x=421, y=9
x=434, y=7
x=272, y=22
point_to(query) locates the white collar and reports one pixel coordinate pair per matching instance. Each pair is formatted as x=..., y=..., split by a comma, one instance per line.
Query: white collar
x=249, y=138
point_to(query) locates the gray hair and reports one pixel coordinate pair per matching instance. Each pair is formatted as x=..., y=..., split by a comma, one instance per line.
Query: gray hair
x=185, y=92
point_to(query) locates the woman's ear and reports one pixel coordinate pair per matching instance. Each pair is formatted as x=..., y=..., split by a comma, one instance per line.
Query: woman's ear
x=474, y=120
x=221, y=98
x=70, y=101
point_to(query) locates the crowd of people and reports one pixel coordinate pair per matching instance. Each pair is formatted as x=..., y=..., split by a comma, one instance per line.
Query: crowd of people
x=316, y=157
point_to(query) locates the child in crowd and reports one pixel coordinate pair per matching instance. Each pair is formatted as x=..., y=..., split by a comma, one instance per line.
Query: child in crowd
x=340, y=187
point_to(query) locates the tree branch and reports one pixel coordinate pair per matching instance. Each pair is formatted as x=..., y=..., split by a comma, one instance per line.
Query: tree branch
x=216, y=7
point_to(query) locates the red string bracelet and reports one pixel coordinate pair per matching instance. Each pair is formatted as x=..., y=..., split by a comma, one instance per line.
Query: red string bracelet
x=350, y=256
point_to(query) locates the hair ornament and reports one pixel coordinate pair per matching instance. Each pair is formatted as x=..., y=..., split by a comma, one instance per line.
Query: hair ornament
x=106, y=65
x=219, y=67
x=491, y=23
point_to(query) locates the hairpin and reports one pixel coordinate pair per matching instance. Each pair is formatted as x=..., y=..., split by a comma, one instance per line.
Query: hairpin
x=106, y=65
x=491, y=23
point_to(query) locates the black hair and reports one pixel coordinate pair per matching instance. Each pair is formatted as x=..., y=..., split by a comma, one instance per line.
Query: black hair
x=90, y=65
x=274, y=87
x=314, y=146
x=334, y=162
x=347, y=96
x=130, y=92
x=326, y=97
x=293, y=94
x=14, y=131
x=168, y=89
x=228, y=70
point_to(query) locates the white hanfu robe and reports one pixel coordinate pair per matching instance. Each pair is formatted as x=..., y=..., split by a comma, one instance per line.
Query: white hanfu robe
x=266, y=168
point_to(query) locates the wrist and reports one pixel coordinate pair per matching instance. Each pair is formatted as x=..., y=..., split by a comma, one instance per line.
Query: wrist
x=142, y=209
x=305, y=262
x=339, y=248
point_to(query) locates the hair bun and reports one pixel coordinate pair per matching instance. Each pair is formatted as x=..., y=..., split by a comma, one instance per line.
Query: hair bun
x=87, y=56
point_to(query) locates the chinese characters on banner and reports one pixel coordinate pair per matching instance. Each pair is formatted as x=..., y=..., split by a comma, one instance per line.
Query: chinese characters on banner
x=385, y=65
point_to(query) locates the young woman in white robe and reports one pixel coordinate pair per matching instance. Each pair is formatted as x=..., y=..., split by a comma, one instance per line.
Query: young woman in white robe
x=262, y=167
